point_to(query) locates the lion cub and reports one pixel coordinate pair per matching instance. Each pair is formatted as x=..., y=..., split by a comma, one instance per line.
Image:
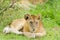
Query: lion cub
x=30, y=26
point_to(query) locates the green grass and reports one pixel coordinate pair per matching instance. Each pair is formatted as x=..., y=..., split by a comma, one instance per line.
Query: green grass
x=50, y=26
x=50, y=12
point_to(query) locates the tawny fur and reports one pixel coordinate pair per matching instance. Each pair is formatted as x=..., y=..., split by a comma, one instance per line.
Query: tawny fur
x=30, y=29
x=15, y=26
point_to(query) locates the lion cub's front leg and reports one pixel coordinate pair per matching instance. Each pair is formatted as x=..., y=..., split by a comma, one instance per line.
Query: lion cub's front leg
x=30, y=35
x=27, y=33
x=40, y=32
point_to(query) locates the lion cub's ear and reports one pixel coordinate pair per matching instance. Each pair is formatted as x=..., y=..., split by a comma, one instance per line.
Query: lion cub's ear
x=39, y=16
x=27, y=16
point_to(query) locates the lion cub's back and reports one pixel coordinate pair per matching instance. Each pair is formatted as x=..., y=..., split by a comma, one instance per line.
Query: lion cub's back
x=18, y=23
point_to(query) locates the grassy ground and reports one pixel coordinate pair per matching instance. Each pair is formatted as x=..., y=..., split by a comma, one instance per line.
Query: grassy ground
x=50, y=17
x=51, y=27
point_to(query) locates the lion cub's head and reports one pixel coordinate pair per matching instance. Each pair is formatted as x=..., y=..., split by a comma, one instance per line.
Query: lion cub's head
x=32, y=20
